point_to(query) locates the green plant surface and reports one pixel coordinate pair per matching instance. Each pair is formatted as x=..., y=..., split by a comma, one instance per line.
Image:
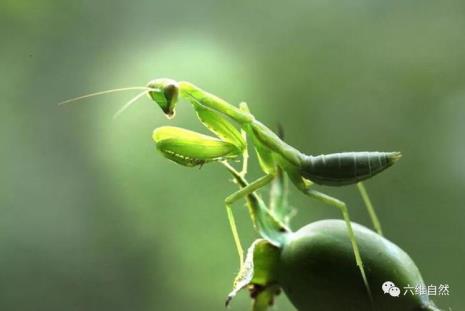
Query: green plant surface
x=317, y=271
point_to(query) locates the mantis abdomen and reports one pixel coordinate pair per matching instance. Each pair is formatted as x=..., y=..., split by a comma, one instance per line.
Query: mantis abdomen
x=339, y=169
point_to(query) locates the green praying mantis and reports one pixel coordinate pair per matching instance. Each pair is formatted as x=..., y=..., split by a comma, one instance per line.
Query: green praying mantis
x=233, y=126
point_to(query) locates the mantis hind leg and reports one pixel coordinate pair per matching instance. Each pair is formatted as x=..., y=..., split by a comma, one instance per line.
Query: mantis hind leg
x=370, y=208
x=345, y=214
x=231, y=199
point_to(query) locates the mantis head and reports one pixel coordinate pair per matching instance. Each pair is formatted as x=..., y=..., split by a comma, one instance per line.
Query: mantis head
x=165, y=93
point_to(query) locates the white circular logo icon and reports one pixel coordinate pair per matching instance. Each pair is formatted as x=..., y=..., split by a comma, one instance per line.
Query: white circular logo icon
x=394, y=291
x=387, y=286
x=390, y=288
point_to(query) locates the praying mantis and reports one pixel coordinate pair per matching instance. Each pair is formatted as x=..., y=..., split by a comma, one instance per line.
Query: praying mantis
x=233, y=125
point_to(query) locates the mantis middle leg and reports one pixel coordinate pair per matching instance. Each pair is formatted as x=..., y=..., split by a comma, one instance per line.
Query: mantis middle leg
x=250, y=188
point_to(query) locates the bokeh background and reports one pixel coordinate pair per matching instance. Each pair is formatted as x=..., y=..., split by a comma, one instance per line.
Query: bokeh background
x=92, y=218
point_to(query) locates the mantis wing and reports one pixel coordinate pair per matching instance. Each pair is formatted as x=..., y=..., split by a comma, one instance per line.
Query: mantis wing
x=219, y=125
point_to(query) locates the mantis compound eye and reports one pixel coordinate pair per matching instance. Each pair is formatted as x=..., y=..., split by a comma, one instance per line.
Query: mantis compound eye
x=165, y=93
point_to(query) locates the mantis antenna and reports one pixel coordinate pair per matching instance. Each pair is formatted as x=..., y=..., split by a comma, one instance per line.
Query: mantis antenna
x=104, y=92
x=129, y=103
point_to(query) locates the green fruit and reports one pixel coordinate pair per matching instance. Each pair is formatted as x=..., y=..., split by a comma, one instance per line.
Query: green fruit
x=317, y=271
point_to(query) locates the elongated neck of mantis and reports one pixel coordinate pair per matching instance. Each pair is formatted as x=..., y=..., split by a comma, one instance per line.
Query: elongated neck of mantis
x=191, y=93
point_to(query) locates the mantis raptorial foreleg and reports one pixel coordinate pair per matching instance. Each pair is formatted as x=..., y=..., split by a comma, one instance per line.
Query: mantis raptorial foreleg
x=370, y=208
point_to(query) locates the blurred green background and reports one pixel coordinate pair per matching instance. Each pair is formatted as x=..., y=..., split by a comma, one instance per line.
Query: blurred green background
x=92, y=218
